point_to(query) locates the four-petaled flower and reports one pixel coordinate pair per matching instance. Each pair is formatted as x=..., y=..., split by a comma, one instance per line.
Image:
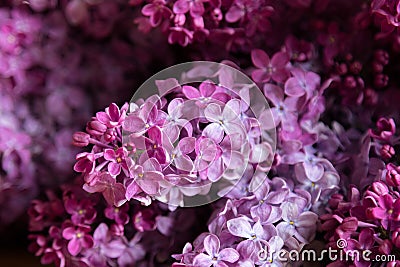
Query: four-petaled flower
x=215, y=257
x=154, y=145
x=196, y=7
x=242, y=227
x=113, y=116
x=388, y=210
x=302, y=82
x=157, y=11
x=79, y=238
x=267, y=68
x=117, y=160
x=302, y=225
x=81, y=211
x=118, y=214
x=146, y=177
x=223, y=121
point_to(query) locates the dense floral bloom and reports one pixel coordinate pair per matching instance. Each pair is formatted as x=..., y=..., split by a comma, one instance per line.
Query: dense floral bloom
x=186, y=22
x=323, y=157
x=48, y=105
x=106, y=239
x=150, y=164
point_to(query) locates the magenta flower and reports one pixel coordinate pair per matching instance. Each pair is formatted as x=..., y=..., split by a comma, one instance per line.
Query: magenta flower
x=157, y=11
x=298, y=50
x=79, y=238
x=145, y=220
x=387, y=152
x=113, y=116
x=259, y=19
x=265, y=209
x=365, y=242
x=302, y=83
x=284, y=110
x=207, y=152
x=385, y=129
x=206, y=93
x=223, y=121
x=95, y=127
x=241, y=227
x=133, y=252
x=392, y=175
x=117, y=160
x=236, y=12
x=389, y=10
x=302, y=225
x=154, y=145
x=215, y=257
x=118, y=214
x=196, y=7
x=113, y=191
x=81, y=211
x=267, y=68
x=147, y=177
x=175, y=122
x=144, y=118
x=80, y=139
x=105, y=246
x=86, y=162
x=179, y=154
x=387, y=211
x=180, y=35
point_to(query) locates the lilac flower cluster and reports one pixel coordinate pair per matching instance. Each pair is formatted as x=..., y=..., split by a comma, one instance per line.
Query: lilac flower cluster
x=73, y=228
x=276, y=216
x=172, y=149
x=282, y=213
x=50, y=79
x=369, y=219
x=319, y=164
x=188, y=22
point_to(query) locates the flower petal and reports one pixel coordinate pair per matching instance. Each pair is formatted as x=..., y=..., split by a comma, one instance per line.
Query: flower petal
x=211, y=245
x=229, y=255
x=202, y=260
x=190, y=92
x=260, y=58
x=240, y=227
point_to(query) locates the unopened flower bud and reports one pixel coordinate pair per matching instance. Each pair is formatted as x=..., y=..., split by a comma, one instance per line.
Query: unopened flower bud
x=382, y=57
x=80, y=139
x=392, y=175
x=385, y=129
x=96, y=128
x=387, y=152
x=381, y=80
x=377, y=67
